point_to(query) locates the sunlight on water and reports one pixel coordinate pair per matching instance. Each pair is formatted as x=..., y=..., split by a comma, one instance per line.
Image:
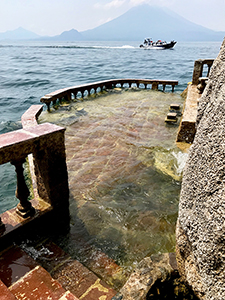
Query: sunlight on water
x=124, y=173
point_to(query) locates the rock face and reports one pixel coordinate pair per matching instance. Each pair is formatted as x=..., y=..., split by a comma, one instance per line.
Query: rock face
x=201, y=221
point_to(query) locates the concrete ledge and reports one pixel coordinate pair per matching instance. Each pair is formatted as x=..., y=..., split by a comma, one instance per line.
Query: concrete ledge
x=14, y=223
x=187, y=129
x=29, y=118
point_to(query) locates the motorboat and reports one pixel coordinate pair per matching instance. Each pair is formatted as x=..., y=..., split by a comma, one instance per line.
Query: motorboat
x=149, y=44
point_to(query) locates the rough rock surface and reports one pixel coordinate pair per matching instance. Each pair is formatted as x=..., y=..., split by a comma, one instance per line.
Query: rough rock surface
x=201, y=221
x=149, y=270
x=156, y=277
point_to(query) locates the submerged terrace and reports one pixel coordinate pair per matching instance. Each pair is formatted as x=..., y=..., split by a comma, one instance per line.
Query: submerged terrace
x=124, y=171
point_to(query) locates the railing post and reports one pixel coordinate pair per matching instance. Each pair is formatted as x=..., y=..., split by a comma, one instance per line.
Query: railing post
x=51, y=171
x=24, y=208
x=154, y=86
x=48, y=106
x=198, y=67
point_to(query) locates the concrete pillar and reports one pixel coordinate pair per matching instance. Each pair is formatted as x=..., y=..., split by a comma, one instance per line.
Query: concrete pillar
x=51, y=170
x=198, y=68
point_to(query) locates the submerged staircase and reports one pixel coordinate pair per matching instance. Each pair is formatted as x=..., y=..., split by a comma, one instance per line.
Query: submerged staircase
x=54, y=276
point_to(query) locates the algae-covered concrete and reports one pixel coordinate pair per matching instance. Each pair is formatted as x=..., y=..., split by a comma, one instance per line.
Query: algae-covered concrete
x=201, y=221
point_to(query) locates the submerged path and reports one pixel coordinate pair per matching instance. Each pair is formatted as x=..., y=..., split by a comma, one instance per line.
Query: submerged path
x=124, y=173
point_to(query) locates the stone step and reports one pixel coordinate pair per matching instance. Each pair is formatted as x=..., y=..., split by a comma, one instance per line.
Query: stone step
x=37, y=284
x=60, y=276
x=82, y=282
x=175, y=106
x=52, y=257
x=5, y=294
x=68, y=296
x=14, y=264
x=18, y=268
x=72, y=275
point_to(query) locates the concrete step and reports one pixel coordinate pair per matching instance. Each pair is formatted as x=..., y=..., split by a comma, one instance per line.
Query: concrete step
x=52, y=256
x=37, y=284
x=61, y=278
x=14, y=264
x=5, y=294
x=83, y=283
x=72, y=275
x=23, y=277
x=68, y=296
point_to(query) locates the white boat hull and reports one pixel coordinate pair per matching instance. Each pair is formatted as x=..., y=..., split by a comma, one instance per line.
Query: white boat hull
x=158, y=46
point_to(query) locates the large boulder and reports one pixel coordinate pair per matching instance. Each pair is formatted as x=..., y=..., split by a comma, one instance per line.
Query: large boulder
x=201, y=221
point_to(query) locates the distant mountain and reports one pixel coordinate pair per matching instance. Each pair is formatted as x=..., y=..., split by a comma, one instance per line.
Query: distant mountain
x=136, y=24
x=71, y=35
x=18, y=34
x=148, y=21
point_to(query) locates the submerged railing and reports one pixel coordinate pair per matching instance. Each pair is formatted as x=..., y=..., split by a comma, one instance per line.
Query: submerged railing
x=79, y=91
x=46, y=144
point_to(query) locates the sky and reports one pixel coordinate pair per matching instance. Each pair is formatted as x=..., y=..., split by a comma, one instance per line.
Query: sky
x=52, y=17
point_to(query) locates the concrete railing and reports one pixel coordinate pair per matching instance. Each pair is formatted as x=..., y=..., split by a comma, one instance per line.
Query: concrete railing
x=46, y=144
x=95, y=87
x=187, y=129
x=198, y=72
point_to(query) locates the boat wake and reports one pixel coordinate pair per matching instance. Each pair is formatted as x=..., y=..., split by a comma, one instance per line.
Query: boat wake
x=57, y=46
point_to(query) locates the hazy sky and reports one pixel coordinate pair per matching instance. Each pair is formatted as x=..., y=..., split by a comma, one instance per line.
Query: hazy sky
x=51, y=17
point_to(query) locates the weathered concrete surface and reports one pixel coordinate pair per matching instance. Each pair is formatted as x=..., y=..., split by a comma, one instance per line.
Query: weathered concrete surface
x=201, y=220
x=187, y=129
x=5, y=293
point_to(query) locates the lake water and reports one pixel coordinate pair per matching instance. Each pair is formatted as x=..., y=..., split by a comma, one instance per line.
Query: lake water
x=32, y=69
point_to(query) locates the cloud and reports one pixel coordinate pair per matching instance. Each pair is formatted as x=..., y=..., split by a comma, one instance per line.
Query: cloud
x=111, y=4
x=115, y=3
x=151, y=2
x=137, y=2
